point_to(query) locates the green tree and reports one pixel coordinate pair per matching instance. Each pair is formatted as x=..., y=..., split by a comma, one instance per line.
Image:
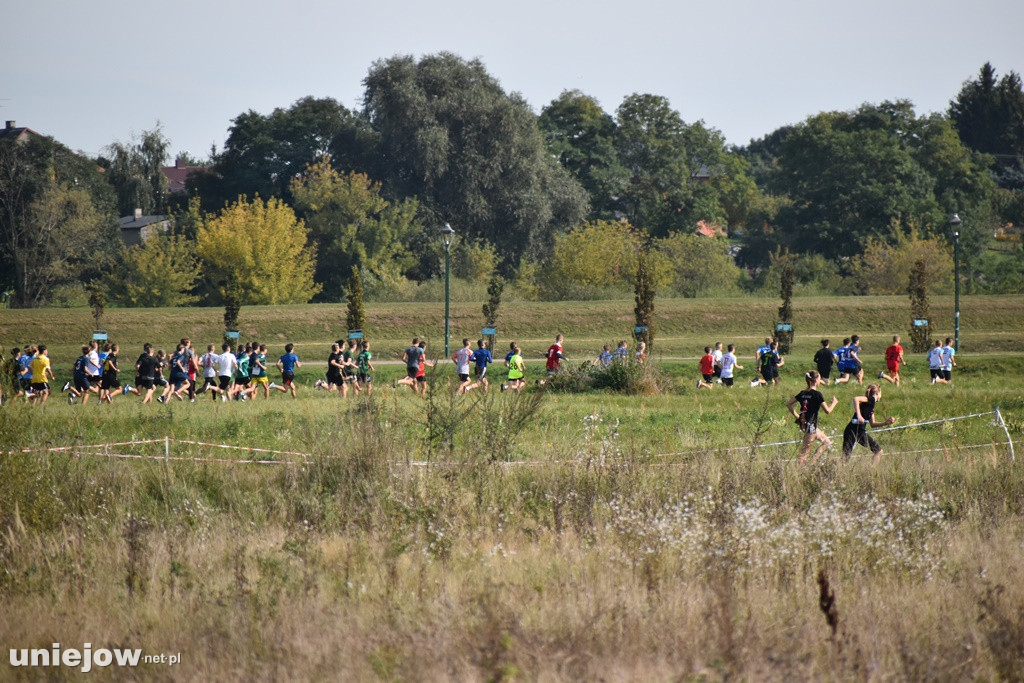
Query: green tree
x=595, y=255
x=917, y=287
x=57, y=221
x=162, y=271
x=472, y=154
x=355, y=318
x=259, y=248
x=644, y=292
x=263, y=153
x=785, y=337
x=670, y=165
x=581, y=136
x=495, y=287
x=352, y=225
x=850, y=176
x=988, y=113
x=698, y=265
x=135, y=170
x=883, y=267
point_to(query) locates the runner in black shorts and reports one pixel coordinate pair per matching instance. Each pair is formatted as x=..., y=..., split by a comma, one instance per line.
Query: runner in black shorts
x=811, y=401
x=824, y=359
x=864, y=416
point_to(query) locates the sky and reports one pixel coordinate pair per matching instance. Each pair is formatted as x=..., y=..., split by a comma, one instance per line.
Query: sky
x=90, y=74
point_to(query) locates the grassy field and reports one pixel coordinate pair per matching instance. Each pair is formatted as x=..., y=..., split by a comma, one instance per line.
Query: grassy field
x=552, y=535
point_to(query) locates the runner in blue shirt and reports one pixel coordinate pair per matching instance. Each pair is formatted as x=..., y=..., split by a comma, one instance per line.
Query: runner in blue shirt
x=481, y=359
x=287, y=365
x=947, y=352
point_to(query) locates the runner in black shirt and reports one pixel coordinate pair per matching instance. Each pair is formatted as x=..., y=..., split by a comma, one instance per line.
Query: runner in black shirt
x=146, y=367
x=810, y=401
x=824, y=359
x=863, y=416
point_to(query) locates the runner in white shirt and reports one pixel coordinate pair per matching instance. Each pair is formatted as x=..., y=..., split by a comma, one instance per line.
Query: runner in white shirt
x=209, y=362
x=227, y=364
x=462, y=358
x=935, y=364
x=728, y=365
x=717, y=355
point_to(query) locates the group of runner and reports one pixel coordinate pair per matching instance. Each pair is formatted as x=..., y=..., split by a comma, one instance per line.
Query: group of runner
x=229, y=374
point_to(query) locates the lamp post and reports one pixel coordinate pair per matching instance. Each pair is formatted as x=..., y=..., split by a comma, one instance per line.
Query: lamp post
x=954, y=226
x=446, y=235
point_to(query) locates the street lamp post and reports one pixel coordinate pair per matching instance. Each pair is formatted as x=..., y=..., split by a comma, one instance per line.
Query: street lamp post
x=447, y=234
x=954, y=226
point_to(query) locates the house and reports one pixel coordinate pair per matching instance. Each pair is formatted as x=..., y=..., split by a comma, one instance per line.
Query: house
x=177, y=176
x=705, y=229
x=11, y=131
x=138, y=228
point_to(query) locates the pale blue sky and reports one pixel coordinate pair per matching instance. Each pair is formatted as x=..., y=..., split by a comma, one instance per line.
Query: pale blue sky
x=89, y=73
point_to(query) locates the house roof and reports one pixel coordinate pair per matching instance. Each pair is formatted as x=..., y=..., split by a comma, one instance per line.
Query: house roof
x=177, y=175
x=133, y=223
x=12, y=132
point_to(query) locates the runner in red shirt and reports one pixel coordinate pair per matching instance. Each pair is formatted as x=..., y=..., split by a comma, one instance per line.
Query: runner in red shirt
x=555, y=356
x=707, y=370
x=893, y=360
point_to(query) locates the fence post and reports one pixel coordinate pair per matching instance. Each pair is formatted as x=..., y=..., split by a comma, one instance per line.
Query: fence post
x=1009, y=440
x=167, y=447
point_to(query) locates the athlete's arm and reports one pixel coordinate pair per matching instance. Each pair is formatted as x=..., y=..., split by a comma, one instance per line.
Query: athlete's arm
x=789, y=406
x=886, y=423
x=830, y=407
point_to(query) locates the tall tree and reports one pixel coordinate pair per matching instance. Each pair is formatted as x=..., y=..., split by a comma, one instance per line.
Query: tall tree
x=581, y=136
x=135, y=169
x=57, y=222
x=162, y=271
x=264, y=153
x=352, y=225
x=355, y=318
x=472, y=154
x=988, y=113
x=257, y=249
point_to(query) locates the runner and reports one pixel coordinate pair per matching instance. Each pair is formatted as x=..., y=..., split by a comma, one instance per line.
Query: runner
x=159, y=379
x=604, y=359
x=771, y=361
x=25, y=373
x=707, y=370
x=191, y=364
x=366, y=369
x=258, y=371
x=641, y=352
x=227, y=364
x=110, y=384
x=481, y=359
x=516, y=371
x=145, y=368
x=95, y=366
x=717, y=353
x=554, y=356
x=729, y=364
x=287, y=365
x=810, y=401
x=621, y=352
x=935, y=364
x=421, y=370
x=348, y=369
x=863, y=416
x=948, y=363
x=893, y=360
x=80, y=378
x=824, y=359
x=244, y=388
x=209, y=362
x=179, y=372
x=462, y=358
x=41, y=371
x=334, y=379
x=411, y=356
x=850, y=365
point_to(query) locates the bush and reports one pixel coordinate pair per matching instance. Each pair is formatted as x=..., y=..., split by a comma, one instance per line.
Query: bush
x=628, y=377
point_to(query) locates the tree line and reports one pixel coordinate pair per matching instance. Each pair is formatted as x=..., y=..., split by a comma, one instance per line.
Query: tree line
x=560, y=203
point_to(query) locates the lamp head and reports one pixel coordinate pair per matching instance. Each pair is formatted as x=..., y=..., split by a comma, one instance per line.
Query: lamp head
x=954, y=224
x=447, y=234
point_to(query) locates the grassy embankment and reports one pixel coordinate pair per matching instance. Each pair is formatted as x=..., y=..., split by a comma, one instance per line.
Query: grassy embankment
x=615, y=561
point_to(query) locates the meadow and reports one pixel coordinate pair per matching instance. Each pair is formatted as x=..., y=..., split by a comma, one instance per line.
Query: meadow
x=565, y=534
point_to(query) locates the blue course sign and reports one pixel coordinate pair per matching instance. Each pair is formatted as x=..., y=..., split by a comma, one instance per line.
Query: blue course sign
x=920, y=322
x=100, y=335
x=355, y=334
x=231, y=334
x=489, y=331
x=639, y=329
x=784, y=327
